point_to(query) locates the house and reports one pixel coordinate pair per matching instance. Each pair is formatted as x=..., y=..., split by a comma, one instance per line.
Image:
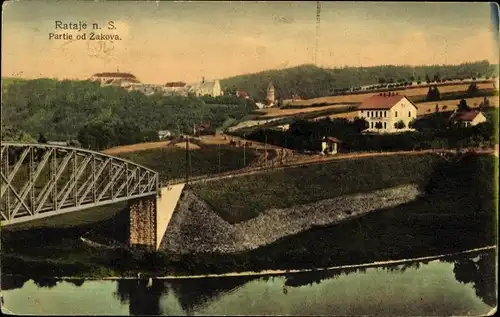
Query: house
x=282, y=128
x=329, y=145
x=242, y=94
x=114, y=78
x=385, y=111
x=163, y=134
x=176, y=88
x=260, y=105
x=468, y=118
x=202, y=128
x=206, y=88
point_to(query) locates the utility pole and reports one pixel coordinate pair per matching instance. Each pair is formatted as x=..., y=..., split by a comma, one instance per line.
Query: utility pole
x=219, y=155
x=244, y=150
x=265, y=147
x=187, y=160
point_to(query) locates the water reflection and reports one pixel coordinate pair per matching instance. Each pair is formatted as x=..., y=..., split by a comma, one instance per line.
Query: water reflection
x=144, y=297
x=480, y=271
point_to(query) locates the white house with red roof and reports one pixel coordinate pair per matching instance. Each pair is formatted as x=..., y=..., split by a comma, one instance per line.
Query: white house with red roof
x=468, y=118
x=384, y=111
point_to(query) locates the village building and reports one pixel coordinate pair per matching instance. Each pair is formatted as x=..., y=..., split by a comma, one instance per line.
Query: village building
x=176, y=88
x=115, y=79
x=385, y=112
x=242, y=94
x=200, y=129
x=270, y=95
x=468, y=118
x=206, y=88
x=329, y=145
x=163, y=134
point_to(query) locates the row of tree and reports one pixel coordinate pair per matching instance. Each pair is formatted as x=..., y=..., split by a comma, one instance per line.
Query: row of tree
x=309, y=81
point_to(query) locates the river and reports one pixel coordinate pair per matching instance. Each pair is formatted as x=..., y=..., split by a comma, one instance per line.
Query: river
x=459, y=285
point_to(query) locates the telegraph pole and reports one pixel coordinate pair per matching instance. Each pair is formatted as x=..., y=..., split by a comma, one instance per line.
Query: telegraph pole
x=244, y=150
x=218, y=152
x=187, y=160
x=265, y=146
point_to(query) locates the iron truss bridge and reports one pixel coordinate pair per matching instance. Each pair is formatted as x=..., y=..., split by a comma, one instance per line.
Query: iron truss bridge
x=40, y=180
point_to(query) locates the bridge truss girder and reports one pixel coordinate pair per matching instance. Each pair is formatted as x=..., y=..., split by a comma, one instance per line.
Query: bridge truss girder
x=40, y=180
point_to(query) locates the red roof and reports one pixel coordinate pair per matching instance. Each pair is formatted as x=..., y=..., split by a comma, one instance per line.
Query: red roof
x=175, y=84
x=332, y=139
x=241, y=93
x=464, y=116
x=120, y=75
x=380, y=102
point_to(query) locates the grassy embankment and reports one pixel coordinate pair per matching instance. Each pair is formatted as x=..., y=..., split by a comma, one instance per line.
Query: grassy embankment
x=242, y=198
x=170, y=162
x=457, y=213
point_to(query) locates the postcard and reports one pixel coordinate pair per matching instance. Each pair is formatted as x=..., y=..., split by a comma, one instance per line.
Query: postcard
x=249, y=158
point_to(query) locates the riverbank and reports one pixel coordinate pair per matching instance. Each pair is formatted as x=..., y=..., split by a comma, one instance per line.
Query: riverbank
x=196, y=228
x=429, y=225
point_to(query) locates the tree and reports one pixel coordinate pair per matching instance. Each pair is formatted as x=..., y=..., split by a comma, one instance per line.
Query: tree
x=433, y=94
x=381, y=80
x=399, y=125
x=42, y=138
x=360, y=124
x=436, y=77
x=411, y=124
x=427, y=78
x=473, y=90
x=462, y=106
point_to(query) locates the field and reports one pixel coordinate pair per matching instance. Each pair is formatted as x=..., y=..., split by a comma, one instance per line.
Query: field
x=276, y=112
x=425, y=108
x=410, y=92
x=243, y=198
x=171, y=162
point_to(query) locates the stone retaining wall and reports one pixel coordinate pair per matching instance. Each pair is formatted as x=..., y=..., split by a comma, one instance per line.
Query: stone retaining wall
x=143, y=223
x=196, y=228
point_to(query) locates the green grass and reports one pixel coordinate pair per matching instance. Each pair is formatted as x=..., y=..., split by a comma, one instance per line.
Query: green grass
x=243, y=198
x=171, y=162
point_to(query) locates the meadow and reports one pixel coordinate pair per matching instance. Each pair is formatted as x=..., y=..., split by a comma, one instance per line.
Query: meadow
x=170, y=162
x=409, y=92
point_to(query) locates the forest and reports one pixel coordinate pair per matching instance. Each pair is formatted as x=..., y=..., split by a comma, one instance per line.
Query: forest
x=309, y=81
x=101, y=117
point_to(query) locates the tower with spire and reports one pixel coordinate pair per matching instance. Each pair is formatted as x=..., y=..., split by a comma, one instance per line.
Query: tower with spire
x=270, y=93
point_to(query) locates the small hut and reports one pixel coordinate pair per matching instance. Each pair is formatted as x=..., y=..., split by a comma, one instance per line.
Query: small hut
x=330, y=145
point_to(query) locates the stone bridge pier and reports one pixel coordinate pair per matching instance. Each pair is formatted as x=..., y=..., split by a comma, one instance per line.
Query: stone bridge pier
x=149, y=217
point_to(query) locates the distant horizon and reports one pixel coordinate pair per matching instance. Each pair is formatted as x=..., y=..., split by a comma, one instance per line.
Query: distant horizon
x=167, y=41
x=246, y=74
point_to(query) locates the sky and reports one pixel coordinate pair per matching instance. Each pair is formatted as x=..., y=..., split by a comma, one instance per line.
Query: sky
x=164, y=41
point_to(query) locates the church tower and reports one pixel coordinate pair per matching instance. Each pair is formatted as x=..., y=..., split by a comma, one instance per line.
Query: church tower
x=270, y=93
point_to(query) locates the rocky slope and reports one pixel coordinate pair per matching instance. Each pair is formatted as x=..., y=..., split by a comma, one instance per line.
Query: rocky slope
x=196, y=228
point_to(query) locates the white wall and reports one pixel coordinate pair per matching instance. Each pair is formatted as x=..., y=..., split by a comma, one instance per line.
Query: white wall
x=402, y=110
x=480, y=118
x=165, y=206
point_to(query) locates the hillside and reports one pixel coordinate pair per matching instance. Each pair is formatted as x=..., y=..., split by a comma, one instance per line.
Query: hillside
x=102, y=117
x=309, y=81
